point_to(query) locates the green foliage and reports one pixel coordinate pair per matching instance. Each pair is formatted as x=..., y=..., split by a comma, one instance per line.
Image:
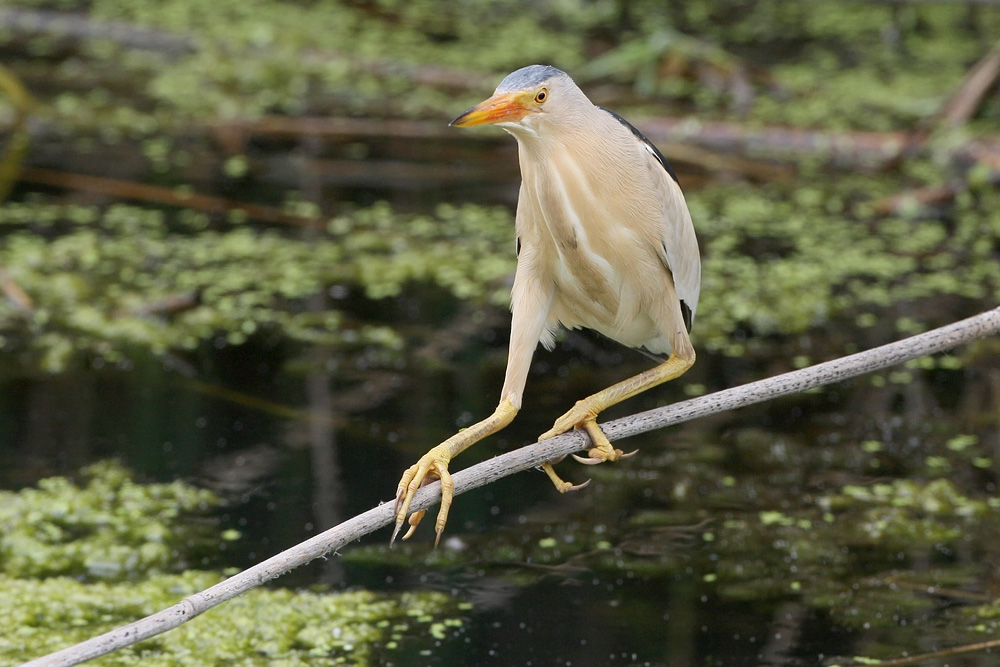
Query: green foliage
x=830, y=64
x=249, y=58
x=103, y=278
x=261, y=627
x=906, y=513
x=109, y=528
x=466, y=250
x=784, y=257
x=63, y=547
x=836, y=64
x=781, y=258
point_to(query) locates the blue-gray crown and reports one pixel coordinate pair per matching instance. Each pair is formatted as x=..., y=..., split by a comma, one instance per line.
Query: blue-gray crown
x=528, y=77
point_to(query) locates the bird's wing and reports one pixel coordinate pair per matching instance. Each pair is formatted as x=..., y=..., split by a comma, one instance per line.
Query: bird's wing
x=680, y=247
x=677, y=237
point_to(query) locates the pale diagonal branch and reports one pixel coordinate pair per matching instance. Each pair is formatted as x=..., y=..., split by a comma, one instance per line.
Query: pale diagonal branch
x=937, y=340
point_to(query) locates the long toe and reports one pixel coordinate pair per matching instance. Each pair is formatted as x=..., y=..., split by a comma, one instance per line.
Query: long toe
x=447, y=496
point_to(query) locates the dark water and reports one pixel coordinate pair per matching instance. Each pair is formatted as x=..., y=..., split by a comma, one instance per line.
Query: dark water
x=648, y=565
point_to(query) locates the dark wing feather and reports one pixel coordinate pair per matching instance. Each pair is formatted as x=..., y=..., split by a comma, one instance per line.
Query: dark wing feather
x=688, y=316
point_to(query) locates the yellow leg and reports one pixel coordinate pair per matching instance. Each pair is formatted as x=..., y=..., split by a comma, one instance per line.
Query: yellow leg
x=434, y=465
x=584, y=413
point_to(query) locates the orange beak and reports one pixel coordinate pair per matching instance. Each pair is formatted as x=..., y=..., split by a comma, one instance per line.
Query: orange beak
x=501, y=108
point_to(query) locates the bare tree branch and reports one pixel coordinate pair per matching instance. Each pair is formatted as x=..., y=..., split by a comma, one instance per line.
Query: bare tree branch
x=80, y=26
x=937, y=340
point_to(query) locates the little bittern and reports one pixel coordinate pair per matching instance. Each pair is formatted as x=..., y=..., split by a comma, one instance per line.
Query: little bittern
x=604, y=241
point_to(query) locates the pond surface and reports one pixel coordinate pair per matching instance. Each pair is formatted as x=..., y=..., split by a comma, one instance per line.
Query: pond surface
x=849, y=521
x=218, y=264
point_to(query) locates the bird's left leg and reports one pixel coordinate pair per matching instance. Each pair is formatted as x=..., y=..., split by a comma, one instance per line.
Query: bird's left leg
x=434, y=465
x=583, y=415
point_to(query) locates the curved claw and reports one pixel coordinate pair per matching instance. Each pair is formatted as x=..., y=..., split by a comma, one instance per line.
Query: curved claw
x=576, y=487
x=598, y=455
x=414, y=521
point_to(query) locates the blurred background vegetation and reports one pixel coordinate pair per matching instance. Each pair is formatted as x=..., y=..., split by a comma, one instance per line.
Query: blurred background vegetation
x=177, y=171
x=212, y=213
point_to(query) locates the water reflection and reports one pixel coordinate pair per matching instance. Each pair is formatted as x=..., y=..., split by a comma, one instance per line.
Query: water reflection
x=782, y=534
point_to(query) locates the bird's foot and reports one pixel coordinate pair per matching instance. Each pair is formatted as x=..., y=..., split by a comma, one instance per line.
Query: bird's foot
x=582, y=416
x=432, y=465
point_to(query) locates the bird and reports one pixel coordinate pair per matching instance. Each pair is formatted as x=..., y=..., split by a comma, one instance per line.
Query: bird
x=604, y=241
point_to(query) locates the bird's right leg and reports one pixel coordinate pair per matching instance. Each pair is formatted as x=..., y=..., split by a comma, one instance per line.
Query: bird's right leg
x=531, y=302
x=583, y=415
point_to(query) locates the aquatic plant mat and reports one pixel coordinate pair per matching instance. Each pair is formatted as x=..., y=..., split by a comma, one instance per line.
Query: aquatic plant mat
x=931, y=342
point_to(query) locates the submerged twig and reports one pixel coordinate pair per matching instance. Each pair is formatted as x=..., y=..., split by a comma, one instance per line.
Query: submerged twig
x=962, y=105
x=928, y=589
x=16, y=149
x=923, y=657
x=937, y=340
x=23, y=21
x=919, y=198
x=155, y=194
x=10, y=168
x=14, y=293
x=847, y=149
x=253, y=402
x=957, y=111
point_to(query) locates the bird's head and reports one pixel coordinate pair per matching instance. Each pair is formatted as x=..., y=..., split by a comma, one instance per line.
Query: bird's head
x=522, y=99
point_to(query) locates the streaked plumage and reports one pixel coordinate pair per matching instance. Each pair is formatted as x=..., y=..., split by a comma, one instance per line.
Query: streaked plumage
x=605, y=241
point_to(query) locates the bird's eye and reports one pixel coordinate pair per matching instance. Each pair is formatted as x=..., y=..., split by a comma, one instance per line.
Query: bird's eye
x=541, y=95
